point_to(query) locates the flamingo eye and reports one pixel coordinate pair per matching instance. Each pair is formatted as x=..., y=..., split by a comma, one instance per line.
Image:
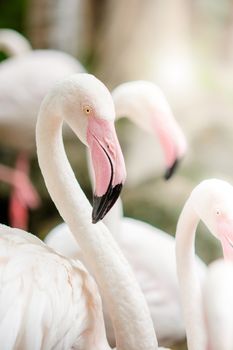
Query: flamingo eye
x=87, y=110
x=218, y=212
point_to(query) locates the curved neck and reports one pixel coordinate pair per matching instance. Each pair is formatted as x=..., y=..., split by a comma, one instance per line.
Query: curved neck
x=129, y=312
x=218, y=305
x=113, y=219
x=190, y=286
x=13, y=43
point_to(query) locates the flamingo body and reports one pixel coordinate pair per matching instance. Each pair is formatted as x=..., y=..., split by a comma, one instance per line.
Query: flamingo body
x=40, y=291
x=24, y=82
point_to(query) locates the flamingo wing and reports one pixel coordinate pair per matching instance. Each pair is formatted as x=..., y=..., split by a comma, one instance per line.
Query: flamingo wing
x=46, y=301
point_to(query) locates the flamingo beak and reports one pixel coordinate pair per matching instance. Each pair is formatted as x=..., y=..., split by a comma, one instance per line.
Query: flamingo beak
x=171, y=170
x=225, y=234
x=108, y=164
x=102, y=204
x=172, y=141
x=227, y=246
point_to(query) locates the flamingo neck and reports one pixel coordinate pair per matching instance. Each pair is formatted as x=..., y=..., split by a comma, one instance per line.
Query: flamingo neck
x=218, y=304
x=190, y=286
x=113, y=219
x=129, y=312
x=13, y=43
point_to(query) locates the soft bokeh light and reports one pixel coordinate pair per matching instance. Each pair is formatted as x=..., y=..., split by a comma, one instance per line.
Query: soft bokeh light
x=176, y=73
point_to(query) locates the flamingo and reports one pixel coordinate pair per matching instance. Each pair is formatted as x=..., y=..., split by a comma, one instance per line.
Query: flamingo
x=150, y=251
x=52, y=302
x=212, y=202
x=25, y=78
x=217, y=296
x=23, y=195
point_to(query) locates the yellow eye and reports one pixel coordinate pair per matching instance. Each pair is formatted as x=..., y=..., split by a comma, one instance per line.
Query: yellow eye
x=87, y=109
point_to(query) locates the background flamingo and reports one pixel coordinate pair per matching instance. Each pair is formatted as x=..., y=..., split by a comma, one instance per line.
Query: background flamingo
x=23, y=195
x=24, y=81
x=150, y=251
x=212, y=202
x=63, y=297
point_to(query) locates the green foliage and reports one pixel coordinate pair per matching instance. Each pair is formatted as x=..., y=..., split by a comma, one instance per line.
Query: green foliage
x=12, y=14
x=3, y=56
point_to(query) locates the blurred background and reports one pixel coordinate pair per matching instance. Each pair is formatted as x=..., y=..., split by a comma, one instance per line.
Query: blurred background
x=184, y=46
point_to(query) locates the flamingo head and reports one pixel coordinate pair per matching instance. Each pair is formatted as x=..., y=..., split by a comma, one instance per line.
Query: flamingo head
x=95, y=127
x=145, y=104
x=213, y=203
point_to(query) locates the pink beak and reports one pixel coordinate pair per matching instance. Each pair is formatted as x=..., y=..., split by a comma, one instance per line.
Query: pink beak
x=225, y=234
x=227, y=247
x=172, y=140
x=108, y=164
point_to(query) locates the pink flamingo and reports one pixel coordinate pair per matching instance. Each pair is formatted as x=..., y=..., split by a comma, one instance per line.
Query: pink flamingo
x=212, y=202
x=25, y=78
x=48, y=301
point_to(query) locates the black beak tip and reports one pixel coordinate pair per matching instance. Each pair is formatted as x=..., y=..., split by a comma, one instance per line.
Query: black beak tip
x=94, y=219
x=102, y=205
x=170, y=171
x=96, y=211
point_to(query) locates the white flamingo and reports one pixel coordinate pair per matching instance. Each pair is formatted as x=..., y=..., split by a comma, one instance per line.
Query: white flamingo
x=150, y=251
x=218, y=305
x=212, y=202
x=51, y=302
x=25, y=79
